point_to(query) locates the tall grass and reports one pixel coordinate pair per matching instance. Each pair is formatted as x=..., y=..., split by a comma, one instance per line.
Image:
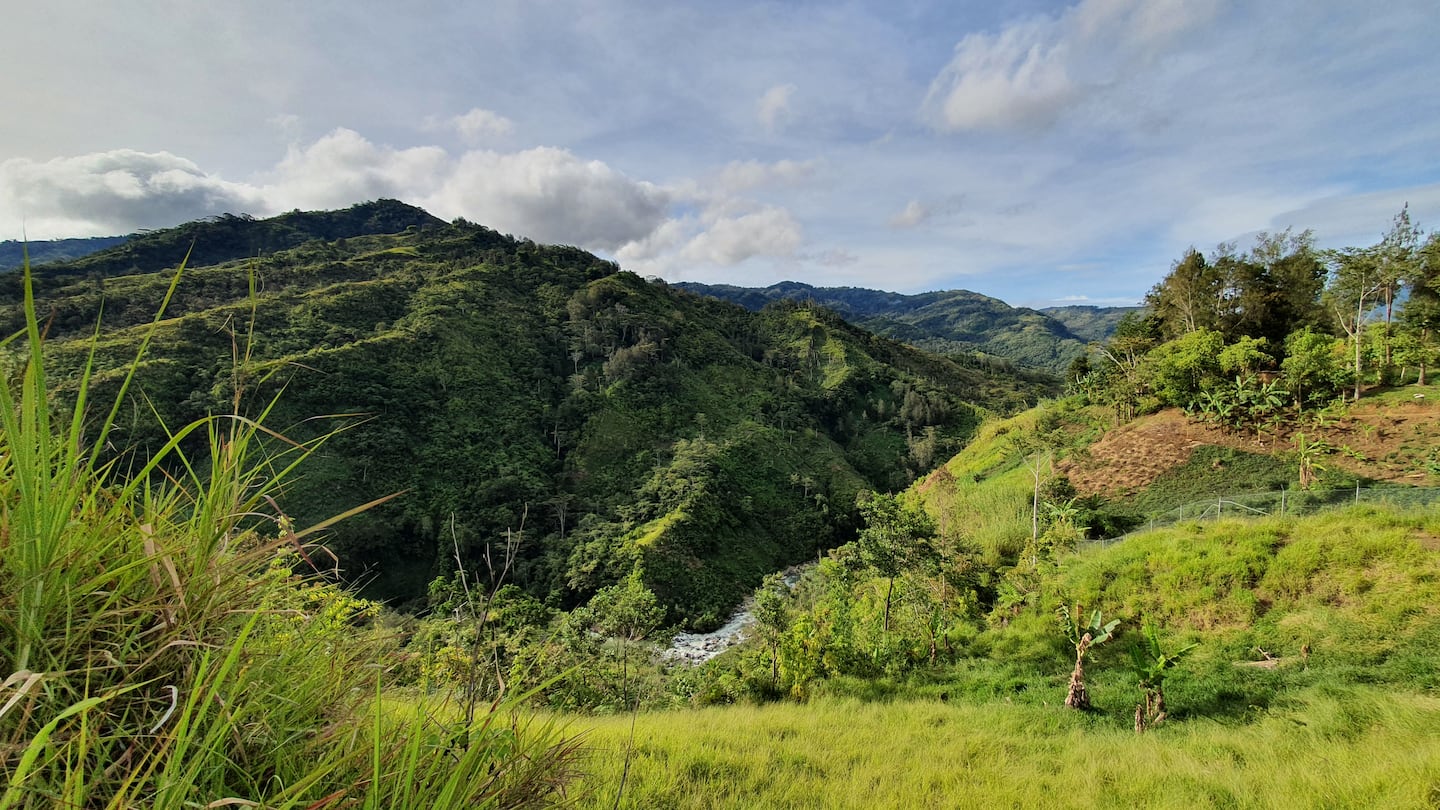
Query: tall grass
x=1348, y=748
x=158, y=647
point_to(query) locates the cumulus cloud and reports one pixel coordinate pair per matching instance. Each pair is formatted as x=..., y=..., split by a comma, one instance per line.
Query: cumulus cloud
x=118, y=191
x=344, y=167
x=721, y=236
x=1032, y=71
x=773, y=108
x=479, y=124
x=545, y=193
x=551, y=195
x=730, y=240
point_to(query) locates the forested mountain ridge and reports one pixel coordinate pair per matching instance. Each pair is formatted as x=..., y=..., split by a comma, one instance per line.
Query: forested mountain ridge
x=223, y=238
x=945, y=322
x=14, y=252
x=614, y=429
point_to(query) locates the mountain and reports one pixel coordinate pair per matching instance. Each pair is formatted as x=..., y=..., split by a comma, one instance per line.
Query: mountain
x=947, y=322
x=519, y=396
x=230, y=237
x=13, y=253
x=1090, y=323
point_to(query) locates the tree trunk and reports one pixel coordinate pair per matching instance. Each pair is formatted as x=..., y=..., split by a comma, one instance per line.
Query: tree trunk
x=1359, y=336
x=1077, y=698
x=889, y=589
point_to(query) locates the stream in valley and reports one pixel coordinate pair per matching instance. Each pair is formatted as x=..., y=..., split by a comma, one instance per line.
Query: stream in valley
x=697, y=648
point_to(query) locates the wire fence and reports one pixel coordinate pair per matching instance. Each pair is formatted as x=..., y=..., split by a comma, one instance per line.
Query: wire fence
x=1283, y=503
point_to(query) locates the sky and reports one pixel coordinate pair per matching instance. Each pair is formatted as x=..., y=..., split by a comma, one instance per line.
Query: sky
x=1040, y=152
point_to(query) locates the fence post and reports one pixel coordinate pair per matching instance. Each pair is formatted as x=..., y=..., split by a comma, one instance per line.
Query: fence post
x=1357, y=493
x=1219, y=506
x=1282, y=501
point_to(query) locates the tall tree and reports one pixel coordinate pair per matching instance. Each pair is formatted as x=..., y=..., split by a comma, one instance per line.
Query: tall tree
x=1396, y=259
x=895, y=533
x=1355, y=283
x=1188, y=299
x=1421, y=312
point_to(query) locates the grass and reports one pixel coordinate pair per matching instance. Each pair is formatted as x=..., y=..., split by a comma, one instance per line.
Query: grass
x=158, y=647
x=1348, y=601
x=1352, y=748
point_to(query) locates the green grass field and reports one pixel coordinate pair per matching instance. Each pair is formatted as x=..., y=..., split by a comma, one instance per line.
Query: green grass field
x=1359, y=747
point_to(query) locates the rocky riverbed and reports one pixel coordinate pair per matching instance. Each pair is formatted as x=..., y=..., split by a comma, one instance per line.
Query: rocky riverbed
x=697, y=648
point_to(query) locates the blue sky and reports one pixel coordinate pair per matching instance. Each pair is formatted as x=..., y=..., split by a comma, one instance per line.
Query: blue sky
x=1038, y=152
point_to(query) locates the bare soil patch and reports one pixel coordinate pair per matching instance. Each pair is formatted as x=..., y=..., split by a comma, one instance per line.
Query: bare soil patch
x=1394, y=442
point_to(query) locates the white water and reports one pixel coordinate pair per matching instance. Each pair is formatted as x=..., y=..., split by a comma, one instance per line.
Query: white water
x=697, y=648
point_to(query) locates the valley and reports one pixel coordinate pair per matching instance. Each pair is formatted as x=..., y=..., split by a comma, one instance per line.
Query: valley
x=960, y=578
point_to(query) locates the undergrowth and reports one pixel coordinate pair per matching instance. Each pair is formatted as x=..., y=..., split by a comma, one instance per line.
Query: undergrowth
x=165, y=641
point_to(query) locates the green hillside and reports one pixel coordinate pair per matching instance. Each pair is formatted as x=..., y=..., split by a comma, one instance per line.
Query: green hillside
x=948, y=322
x=515, y=393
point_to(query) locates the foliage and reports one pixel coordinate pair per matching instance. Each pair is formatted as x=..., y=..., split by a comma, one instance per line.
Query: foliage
x=1083, y=637
x=1151, y=665
x=951, y=322
x=162, y=650
x=636, y=427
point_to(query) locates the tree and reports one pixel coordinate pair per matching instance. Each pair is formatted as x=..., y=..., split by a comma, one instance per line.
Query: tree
x=1083, y=637
x=773, y=619
x=1313, y=367
x=1396, y=262
x=1188, y=299
x=895, y=533
x=1151, y=665
x=1421, y=311
x=1186, y=366
x=1355, y=281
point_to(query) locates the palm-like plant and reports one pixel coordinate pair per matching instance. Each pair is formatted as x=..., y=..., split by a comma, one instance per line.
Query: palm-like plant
x=1151, y=663
x=1083, y=636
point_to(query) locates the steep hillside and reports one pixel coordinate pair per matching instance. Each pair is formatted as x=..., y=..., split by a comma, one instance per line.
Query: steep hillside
x=948, y=322
x=598, y=424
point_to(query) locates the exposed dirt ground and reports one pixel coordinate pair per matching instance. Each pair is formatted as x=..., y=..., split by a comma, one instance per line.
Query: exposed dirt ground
x=1393, y=441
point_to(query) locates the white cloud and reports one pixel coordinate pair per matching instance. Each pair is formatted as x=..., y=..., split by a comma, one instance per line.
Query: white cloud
x=1031, y=72
x=545, y=193
x=744, y=175
x=731, y=240
x=343, y=168
x=551, y=195
x=479, y=124
x=112, y=192
x=773, y=108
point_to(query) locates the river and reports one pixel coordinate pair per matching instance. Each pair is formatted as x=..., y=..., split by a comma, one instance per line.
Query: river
x=697, y=648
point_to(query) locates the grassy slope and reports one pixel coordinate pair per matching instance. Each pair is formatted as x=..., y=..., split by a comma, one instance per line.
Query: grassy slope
x=1352, y=748
x=1358, y=590
x=1347, y=602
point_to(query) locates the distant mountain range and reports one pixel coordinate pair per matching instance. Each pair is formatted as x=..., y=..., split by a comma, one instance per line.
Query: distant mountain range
x=13, y=252
x=949, y=322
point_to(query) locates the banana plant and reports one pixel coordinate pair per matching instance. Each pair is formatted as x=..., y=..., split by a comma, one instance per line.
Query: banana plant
x=1083, y=636
x=1151, y=663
